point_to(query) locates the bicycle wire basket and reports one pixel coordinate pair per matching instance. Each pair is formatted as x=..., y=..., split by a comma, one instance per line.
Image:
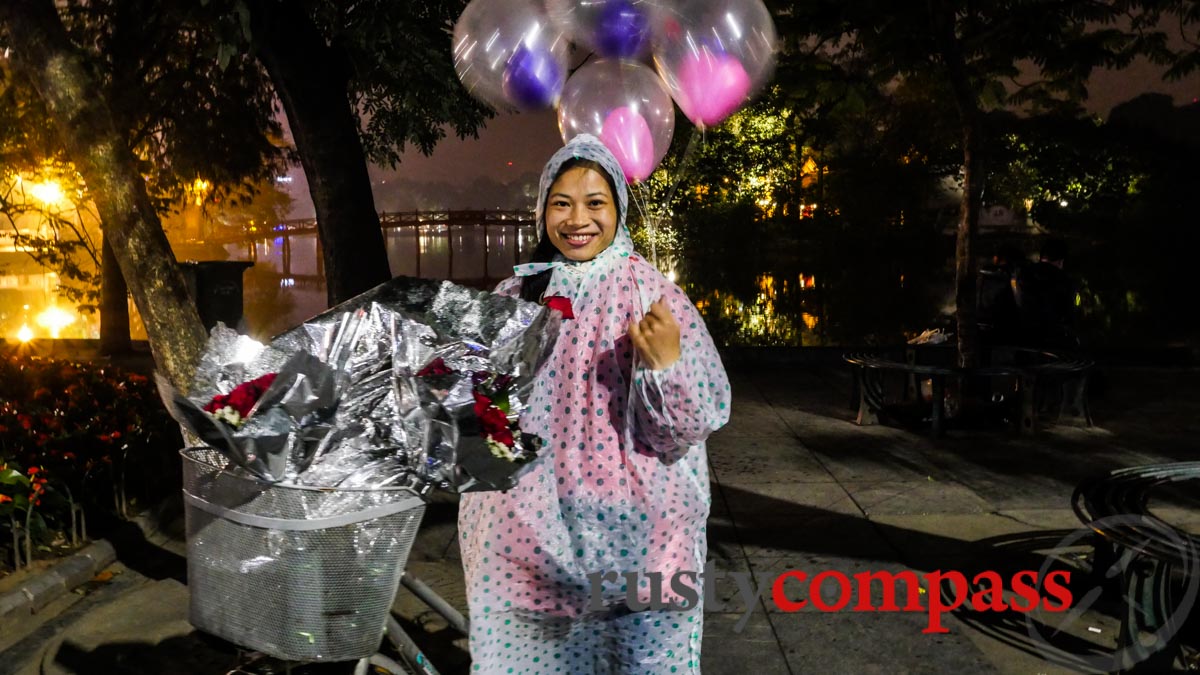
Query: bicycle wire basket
x=298, y=573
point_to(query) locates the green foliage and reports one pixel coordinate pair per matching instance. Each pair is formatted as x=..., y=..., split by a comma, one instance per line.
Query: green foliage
x=401, y=76
x=1120, y=193
x=183, y=115
x=186, y=114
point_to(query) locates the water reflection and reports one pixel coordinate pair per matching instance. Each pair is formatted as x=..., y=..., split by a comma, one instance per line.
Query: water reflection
x=31, y=308
x=839, y=287
x=286, y=284
x=765, y=321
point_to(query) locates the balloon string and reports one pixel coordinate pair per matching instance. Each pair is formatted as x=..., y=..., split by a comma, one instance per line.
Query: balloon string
x=689, y=153
x=640, y=200
x=640, y=194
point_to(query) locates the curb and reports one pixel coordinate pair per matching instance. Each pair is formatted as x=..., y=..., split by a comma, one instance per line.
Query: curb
x=63, y=577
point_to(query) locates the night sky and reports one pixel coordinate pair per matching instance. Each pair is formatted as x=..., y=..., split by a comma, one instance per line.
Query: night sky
x=490, y=171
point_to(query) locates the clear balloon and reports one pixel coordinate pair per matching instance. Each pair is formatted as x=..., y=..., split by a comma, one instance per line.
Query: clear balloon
x=626, y=106
x=714, y=55
x=508, y=54
x=618, y=29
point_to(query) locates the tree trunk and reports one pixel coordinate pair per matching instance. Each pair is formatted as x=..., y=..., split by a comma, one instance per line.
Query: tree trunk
x=43, y=53
x=966, y=270
x=965, y=266
x=310, y=82
x=114, y=304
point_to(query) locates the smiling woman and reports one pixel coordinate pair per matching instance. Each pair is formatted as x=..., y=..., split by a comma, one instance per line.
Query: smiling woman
x=624, y=403
x=581, y=216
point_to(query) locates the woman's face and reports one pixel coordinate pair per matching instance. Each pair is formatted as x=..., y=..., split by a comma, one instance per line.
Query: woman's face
x=581, y=215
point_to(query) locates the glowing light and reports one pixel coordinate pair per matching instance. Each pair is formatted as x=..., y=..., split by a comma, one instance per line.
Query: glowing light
x=54, y=320
x=25, y=334
x=246, y=349
x=1062, y=202
x=48, y=193
x=200, y=189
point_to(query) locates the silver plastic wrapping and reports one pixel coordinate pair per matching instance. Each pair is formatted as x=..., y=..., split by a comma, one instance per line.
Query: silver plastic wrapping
x=349, y=407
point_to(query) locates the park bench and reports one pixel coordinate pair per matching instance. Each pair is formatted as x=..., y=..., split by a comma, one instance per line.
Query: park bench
x=1048, y=386
x=1147, y=551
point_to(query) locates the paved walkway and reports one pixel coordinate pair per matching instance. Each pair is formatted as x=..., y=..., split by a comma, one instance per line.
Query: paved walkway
x=797, y=486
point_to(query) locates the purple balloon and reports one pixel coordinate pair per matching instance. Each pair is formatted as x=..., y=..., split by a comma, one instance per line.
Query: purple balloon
x=622, y=30
x=532, y=78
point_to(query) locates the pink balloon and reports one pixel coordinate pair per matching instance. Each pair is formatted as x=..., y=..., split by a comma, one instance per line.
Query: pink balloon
x=627, y=135
x=711, y=86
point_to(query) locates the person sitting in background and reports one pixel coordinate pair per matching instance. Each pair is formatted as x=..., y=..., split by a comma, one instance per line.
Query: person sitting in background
x=1045, y=297
x=999, y=318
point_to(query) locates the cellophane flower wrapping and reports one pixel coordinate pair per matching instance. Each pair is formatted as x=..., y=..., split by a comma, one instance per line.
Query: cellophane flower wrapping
x=380, y=391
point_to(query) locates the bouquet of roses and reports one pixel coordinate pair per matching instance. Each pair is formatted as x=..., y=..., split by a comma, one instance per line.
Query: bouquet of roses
x=416, y=382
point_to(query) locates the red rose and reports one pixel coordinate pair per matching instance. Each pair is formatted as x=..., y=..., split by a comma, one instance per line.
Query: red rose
x=243, y=397
x=504, y=436
x=492, y=420
x=482, y=403
x=264, y=382
x=562, y=304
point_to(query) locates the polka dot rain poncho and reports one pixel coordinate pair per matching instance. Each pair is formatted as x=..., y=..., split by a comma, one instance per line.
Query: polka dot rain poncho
x=621, y=484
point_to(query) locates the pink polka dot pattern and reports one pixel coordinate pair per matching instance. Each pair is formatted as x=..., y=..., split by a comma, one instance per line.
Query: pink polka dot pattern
x=622, y=481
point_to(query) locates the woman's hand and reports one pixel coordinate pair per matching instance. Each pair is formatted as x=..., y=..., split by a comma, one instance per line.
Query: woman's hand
x=656, y=336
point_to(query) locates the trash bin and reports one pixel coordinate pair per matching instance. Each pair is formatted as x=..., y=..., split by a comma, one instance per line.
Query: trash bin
x=216, y=286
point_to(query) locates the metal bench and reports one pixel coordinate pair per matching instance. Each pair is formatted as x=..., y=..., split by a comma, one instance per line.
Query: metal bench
x=1036, y=373
x=1147, y=551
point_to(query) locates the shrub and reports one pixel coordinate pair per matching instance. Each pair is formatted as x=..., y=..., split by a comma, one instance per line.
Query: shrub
x=78, y=435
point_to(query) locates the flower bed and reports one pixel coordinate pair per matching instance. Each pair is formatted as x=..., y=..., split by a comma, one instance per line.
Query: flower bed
x=75, y=439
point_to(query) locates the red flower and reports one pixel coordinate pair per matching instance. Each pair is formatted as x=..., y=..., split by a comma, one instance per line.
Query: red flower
x=562, y=304
x=492, y=420
x=435, y=367
x=242, y=398
x=482, y=403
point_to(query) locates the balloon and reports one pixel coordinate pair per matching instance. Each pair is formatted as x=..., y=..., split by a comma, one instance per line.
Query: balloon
x=622, y=31
x=714, y=55
x=618, y=29
x=711, y=86
x=532, y=79
x=509, y=54
x=626, y=134
x=626, y=106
